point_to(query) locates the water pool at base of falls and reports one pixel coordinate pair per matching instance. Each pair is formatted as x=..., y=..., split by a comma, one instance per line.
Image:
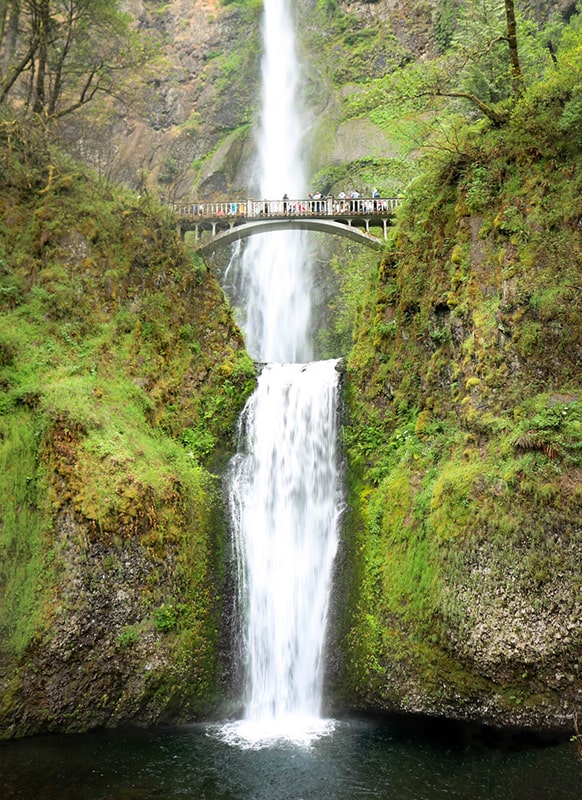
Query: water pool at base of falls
x=359, y=760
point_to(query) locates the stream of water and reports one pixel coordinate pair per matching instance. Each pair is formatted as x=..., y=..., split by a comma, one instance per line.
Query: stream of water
x=284, y=491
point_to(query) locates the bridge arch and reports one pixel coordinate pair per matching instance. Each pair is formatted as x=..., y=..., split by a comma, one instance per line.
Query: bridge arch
x=246, y=229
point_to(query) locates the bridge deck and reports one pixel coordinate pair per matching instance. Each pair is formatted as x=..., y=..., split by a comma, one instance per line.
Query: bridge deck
x=366, y=212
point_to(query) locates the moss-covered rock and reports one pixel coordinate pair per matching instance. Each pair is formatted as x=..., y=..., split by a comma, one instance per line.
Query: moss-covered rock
x=121, y=378
x=463, y=437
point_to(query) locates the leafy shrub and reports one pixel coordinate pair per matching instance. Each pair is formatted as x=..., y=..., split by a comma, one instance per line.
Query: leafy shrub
x=165, y=618
x=198, y=441
x=128, y=637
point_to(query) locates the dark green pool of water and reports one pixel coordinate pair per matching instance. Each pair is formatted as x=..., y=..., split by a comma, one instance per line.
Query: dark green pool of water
x=361, y=759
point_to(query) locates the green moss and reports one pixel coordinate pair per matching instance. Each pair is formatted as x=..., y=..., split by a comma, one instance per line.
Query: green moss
x=464, y=422
x=27, y=556
x=117, y=357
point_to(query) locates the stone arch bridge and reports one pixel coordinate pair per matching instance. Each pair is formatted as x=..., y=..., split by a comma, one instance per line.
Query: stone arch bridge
x=227, y=221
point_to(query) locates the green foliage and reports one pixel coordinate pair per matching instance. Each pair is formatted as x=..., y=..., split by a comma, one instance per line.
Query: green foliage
x=165, y=618
x=480, y=190
x=444, y=19
x=128, y=637
x=357, y=51
x=255, y=4
x=352, y=274
x=169, y=169
x=478, y=40
x=27, y=563
x=199, y=442
x=550, y=426
x=232, y=70
x=328, y=6
x=463, y=440
x=389, y=175
x=571, y=119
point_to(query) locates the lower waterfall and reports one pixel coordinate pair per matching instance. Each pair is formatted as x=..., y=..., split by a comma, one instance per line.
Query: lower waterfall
x=284, y=502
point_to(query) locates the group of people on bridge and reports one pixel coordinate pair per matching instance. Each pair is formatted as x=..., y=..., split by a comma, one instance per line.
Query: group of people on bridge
x=313, y=205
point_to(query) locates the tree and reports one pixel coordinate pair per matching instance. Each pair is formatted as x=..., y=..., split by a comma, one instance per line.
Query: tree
x=518, y=83
x=57, y=55
x=482, y=60
x=13, y=60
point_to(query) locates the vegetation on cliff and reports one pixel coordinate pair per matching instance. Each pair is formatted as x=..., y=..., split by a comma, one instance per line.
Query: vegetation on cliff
x=465, y=427
x=121, y=378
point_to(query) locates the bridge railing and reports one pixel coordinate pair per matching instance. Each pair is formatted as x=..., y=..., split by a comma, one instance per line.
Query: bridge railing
x=323, y=207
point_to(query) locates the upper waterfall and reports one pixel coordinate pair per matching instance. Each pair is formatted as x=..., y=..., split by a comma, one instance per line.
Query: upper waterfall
x=274, y=271
x=282, y=129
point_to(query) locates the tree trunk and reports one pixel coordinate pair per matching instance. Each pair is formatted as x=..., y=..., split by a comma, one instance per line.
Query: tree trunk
x=42, y=24
x=517, y=81
x=10, y=31
x=55, y=92
x=3, y=13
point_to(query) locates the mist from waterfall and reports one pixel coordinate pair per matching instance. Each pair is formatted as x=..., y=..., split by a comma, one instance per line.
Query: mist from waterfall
x=284, y=491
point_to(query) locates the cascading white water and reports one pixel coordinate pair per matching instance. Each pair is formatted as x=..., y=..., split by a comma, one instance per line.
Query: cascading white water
x=284, y=507
x=284, y=486
x=278, y=307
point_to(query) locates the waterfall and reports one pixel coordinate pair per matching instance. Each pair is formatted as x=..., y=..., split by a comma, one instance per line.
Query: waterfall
x=284, y=485
x=274, y=270
x=284, y=507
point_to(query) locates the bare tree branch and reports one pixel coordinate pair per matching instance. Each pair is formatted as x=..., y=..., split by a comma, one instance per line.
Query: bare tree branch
x=497, y=117
x=87, y=94
x=16, y=70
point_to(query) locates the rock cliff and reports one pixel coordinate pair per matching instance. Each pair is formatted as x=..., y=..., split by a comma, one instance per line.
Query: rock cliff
x=190, y=134
x=121, y=378
x=463, y=437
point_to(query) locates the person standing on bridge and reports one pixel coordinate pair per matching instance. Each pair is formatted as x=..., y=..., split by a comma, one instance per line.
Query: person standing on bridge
x=375, y=196
x=285, y=199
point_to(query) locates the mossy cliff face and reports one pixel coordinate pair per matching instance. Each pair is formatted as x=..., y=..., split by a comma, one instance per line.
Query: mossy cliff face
x=121, y=378
x=464, y=539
